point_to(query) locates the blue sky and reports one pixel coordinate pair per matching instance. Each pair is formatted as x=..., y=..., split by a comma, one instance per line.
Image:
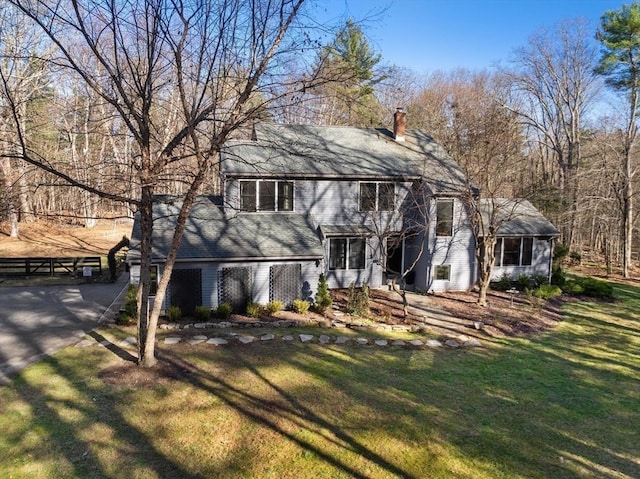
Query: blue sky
x=429, y=35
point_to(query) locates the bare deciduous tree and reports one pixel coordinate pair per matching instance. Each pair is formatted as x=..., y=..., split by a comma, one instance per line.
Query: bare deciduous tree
x=554, y=86
x=23, y=77
x=179, y=77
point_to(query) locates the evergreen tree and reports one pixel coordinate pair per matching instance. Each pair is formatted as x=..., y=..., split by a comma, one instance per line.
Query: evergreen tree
x=619, y=35
x=350, y=101
x=323, y=298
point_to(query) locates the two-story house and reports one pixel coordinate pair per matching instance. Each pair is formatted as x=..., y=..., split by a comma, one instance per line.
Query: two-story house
x=298, y=201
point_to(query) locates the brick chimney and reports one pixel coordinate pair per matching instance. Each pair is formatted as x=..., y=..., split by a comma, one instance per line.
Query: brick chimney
x=399, y=124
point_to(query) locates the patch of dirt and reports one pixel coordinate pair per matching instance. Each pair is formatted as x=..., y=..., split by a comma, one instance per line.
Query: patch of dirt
x=503, y=317
x=47, y=239
x=127, y=374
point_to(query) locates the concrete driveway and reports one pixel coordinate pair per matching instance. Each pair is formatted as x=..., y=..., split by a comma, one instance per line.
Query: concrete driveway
x=38, y=321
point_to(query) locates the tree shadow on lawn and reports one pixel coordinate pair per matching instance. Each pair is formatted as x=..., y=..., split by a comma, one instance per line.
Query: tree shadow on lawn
x=537, y=407
x=518, y=411
x=285, y=407
x=66, y=416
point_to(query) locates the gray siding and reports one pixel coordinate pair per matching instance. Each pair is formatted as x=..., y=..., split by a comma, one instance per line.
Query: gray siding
x=456, y=251
x=328, y=202
x=371, y=275
x=334, y=202
x=260, y=270
x=540, y=262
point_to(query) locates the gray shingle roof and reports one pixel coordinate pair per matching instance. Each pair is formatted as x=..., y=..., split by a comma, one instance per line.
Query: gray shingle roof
x=211, y=236
x=518, y=217
x=299, y=151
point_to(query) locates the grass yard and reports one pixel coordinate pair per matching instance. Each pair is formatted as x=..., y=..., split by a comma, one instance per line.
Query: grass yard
x=562, y=404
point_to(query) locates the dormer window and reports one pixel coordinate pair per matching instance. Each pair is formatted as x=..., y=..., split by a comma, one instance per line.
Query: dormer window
x=266, y=195
x=378, y=196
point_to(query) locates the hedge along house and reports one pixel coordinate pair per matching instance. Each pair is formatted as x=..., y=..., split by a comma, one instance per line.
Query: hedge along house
x=357, y=204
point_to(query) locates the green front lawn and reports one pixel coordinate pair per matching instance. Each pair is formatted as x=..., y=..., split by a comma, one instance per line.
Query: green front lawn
x=562, y=404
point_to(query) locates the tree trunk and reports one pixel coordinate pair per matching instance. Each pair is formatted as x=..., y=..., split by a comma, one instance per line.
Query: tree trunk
x=482, y=294
x=627, y=222
x=146, y=348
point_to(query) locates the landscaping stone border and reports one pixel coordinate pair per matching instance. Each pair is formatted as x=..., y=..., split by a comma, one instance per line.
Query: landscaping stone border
x=461, y=341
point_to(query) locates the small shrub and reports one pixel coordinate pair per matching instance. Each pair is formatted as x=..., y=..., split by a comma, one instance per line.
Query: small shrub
x=254, y=310
x=203, y=313
x=174, y=313
x=504, y=283
x=588, y=286
x=525, y=282
x=274, y=306
x=547, y=291
x=323, y=297
x=130, y=313
x=300, y=306
x=540, y=279
x=560, y=252
x=596, y=288
x=558, y=277
x=224, y=310
x=573, y=287
x=358, y=300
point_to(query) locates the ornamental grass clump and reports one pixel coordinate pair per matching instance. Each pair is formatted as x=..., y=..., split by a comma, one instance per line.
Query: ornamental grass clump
x=202, y=313
x=224, y=310
x=300, y=306
x=254, y=310
x=273, y=307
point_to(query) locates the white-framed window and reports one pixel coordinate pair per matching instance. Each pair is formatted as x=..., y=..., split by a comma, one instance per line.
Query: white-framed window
x=444, y=217
x=442, y=272
x=347, y=253
x=377, y=196
x=266, y=195
x=514, y=251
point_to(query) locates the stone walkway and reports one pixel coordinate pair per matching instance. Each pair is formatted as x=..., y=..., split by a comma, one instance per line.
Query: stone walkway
x=461, y=341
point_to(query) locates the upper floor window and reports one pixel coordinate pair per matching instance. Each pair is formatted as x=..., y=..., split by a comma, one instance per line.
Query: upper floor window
x=514, y=251
x=266, y=195
x=444, y=217
x=346, y=253
x=377, y=196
